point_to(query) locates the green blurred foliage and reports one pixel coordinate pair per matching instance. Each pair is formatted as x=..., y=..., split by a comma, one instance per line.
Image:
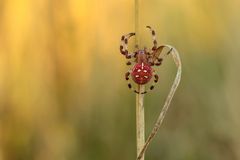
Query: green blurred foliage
x=62, y=90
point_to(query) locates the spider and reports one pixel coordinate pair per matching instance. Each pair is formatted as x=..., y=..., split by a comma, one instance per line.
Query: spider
x=142, y=72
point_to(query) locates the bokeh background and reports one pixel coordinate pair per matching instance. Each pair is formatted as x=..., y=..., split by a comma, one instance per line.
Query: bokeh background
x=63, y=95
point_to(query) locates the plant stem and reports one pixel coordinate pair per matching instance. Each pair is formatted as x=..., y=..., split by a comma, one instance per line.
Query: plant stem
x=140, y=123
x=137, y=37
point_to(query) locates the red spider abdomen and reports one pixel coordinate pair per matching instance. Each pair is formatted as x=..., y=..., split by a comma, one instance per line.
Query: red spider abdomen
x=141, y=73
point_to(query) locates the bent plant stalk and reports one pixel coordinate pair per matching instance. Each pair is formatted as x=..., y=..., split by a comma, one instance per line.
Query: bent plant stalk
x=163, y=112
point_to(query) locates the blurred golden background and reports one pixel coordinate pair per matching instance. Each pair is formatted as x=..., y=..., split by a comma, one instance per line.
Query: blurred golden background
x=63, y=95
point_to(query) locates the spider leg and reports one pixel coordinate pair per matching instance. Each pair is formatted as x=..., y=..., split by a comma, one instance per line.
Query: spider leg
x=123, y=46
x=130, y=61
x=149, y=56
x=150, y=59
x=156, y=77
x=158, y=60
x=128, y=79
x=132, y=55
x=130, y=86
x=154, y=38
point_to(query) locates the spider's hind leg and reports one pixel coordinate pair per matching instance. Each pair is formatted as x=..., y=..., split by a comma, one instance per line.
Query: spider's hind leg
x=156, y=77
x=130, y=86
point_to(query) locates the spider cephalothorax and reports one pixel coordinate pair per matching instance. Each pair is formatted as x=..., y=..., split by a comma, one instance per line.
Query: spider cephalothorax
x=142, y=72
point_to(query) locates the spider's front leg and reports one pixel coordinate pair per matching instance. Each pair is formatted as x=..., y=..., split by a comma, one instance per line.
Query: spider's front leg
x=124, y=45
x=156, y=51
x=130, y=60
x=153, y=38
x=134, y=54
